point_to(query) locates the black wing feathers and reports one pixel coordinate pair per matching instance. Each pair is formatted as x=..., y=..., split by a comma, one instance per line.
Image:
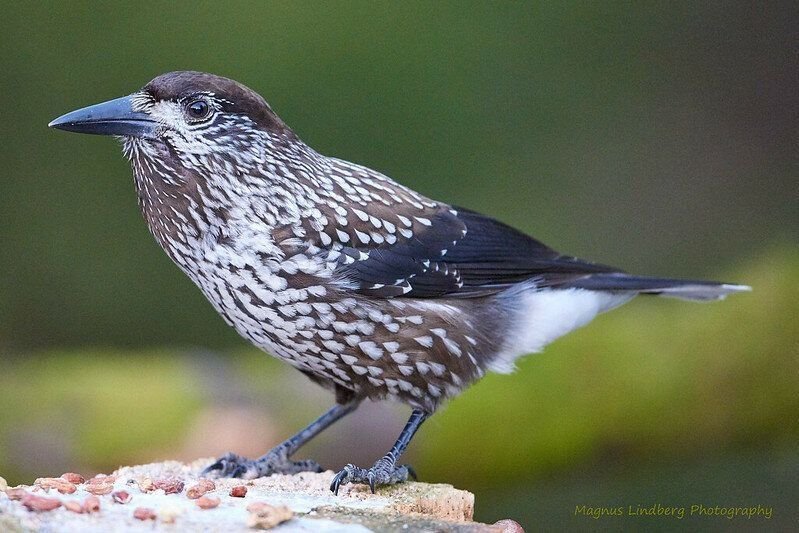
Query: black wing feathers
x=460, y=254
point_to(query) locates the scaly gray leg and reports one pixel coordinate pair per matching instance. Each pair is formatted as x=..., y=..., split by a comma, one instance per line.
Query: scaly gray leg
x=277, y=460
x=385, y=471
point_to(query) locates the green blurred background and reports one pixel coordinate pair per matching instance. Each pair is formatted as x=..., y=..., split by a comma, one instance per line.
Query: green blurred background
x=657, y=137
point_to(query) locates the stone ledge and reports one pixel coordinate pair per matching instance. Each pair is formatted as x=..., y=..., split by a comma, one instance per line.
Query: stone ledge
x=170, y=496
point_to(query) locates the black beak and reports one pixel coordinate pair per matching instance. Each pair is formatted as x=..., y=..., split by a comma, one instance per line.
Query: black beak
x=115, y=117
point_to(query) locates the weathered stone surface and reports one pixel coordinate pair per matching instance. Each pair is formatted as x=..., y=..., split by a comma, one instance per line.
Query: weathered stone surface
x=301, y=502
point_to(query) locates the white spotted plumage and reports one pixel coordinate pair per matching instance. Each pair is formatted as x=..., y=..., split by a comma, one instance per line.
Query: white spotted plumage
x=335, y=268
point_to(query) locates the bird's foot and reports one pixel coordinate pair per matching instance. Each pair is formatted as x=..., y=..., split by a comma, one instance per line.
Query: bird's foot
x=274, y=462
x=383, y=472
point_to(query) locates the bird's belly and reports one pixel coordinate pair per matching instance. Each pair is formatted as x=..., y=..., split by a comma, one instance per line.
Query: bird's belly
x=407, y=350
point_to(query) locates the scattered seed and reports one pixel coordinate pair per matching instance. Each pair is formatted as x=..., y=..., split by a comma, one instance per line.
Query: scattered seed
x=169, y=485
x=40, y=503
x=74, y=506
x=207, y=502
x=91, y=504
x=101, y=478
x=202, y=486
x=143, y=513
x=265, y=516
x=99, y=489
x=72, y=477
x=16, y=494
x=144, y=483
x=239, y=491
x=121, y=496
x=61, y=485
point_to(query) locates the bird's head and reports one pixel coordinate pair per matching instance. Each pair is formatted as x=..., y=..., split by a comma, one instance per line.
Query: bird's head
x=189, y=115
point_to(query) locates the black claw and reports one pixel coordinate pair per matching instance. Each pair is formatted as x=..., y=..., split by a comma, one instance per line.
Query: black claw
x=412, y=473
x=372, y=482
x=337, y=479
x=208, y=469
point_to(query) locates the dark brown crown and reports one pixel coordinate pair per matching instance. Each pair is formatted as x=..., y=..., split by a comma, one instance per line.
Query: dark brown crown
x=235, y=97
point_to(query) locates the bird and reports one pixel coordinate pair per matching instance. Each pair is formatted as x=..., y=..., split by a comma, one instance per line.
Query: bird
x=369, y=288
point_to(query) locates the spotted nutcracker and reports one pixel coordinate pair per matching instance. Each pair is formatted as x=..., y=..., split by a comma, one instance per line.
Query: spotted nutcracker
x=369, y=288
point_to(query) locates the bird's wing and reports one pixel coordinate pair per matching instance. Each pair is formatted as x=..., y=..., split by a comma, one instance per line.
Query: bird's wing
x=385, y=240
x=439, y=250
x=459, y=253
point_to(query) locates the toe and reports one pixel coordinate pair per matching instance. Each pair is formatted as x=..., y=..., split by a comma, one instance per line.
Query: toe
x=338, y=480
x=229, y=465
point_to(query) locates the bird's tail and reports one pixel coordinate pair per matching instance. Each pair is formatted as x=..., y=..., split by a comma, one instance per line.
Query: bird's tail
x=683, y=289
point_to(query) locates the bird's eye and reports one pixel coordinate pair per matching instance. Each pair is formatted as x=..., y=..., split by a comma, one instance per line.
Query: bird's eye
x=198, y=109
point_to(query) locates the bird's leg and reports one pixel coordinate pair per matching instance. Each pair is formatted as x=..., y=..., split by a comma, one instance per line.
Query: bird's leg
x=277, y=460
x=385, y=471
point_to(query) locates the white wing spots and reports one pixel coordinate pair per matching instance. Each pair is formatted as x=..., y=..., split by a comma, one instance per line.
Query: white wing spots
x=365, y=328
x=453, y=347
x=437, y=368
x=422, y=367
x=406, y=233
x=341, y=374
x=325, y=334
x=374, y=370
x=374, y=381
x=470, y=340
x=405, y=221
x=371, y=349
x=334, y=346
x=317, y=290
x=399, y=358
x=329, y=356
x=439, y=332
x=423, y=221
x=349, y=359
x=363, y=237
x=303, y=308
x=391, y=346
x=405, y=370
x=432, y=389
x=425, y=340
x=342, y=236
x=394, y=327
x=352, y=340
x=361, y=215
x=358, y=369
x=325, y=238
x=404, y=385
x=391, y=228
